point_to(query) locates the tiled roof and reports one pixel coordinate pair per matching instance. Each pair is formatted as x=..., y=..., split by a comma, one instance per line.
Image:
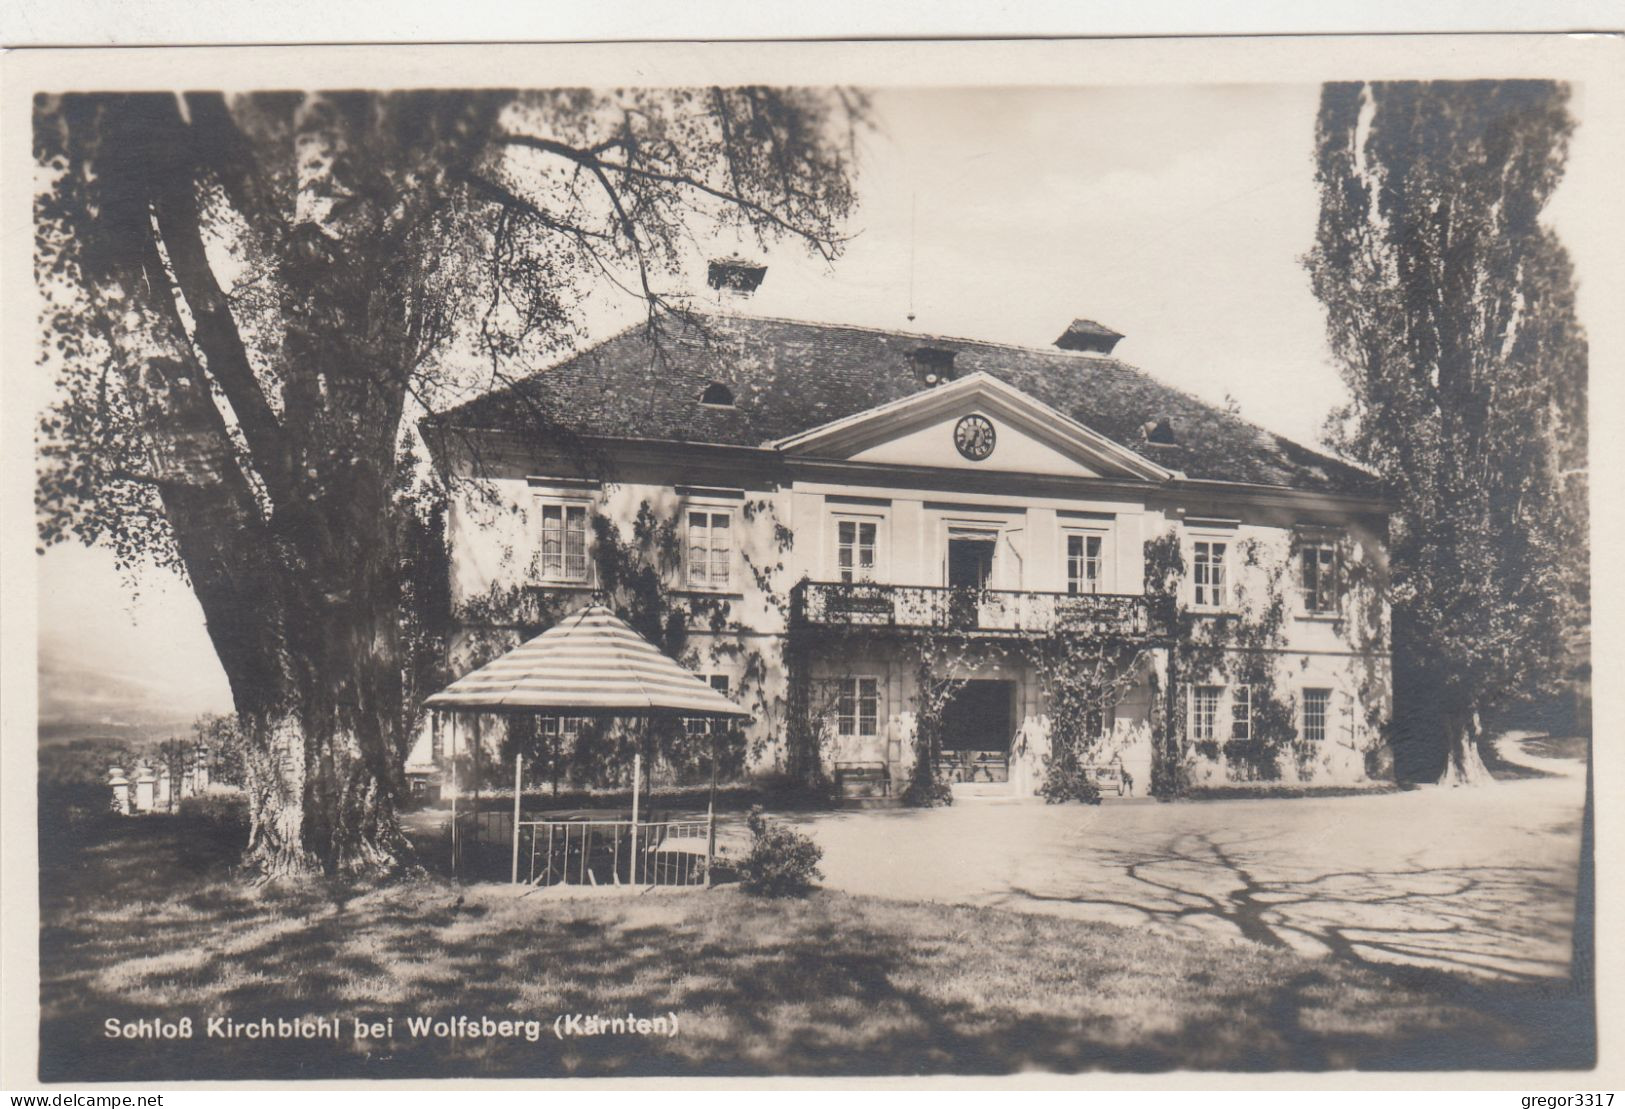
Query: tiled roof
x=787, y=376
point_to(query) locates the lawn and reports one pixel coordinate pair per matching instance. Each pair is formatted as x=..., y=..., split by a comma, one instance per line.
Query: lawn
x=144, y=918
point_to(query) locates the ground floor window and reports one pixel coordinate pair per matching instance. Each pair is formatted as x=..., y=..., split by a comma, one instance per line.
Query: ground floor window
x=559, y=727
x=1205, y=712
x=705, y=725
x=857, y=711
x=1316, y=710
x=1241, y=713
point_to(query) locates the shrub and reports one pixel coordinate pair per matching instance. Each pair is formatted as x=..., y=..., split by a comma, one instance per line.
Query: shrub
x=926, y=791
x=223, y=808
x=1066, y=780
x=794, y=791
x=781, y=862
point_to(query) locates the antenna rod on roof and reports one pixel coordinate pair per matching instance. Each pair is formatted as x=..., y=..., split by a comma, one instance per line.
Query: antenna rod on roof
x=913, y=211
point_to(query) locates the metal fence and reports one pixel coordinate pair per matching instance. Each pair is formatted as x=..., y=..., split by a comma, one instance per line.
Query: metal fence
x=587, y=852
x=615, y=852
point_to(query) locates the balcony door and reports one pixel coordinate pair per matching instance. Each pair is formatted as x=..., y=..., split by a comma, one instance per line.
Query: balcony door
x=970, y=570
x=970, y=558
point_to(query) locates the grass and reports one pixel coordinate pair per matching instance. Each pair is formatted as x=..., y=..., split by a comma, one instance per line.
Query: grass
x=145, y=918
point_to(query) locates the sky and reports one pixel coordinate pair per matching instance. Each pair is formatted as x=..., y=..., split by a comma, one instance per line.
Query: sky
x=1176, y=215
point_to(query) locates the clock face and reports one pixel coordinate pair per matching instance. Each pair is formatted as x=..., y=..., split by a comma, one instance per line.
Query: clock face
x=974, y=437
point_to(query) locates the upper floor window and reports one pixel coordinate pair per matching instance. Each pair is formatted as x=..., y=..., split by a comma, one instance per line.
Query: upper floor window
x=1318, y=584
x=857, y=708
x=564, y=542
x=1205, y=712
x=1317, y=706
x=1083, y=563
x=855, y=549
x=1209, y=574
x=710, y=549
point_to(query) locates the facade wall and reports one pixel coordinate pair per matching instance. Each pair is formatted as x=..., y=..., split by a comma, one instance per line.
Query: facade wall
x=783, y=527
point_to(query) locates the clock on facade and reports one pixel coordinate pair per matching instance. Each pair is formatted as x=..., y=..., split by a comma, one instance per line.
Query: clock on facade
x=973, y=435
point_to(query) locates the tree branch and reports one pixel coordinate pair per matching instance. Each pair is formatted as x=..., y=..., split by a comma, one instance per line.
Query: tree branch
x=216, y=333
x=599, y=166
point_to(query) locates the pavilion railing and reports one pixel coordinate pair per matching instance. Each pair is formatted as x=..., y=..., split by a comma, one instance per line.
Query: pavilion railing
x=615, y=852
x=586, y=852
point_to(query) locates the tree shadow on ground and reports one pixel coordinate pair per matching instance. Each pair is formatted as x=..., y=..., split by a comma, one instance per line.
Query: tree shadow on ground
x=830, y=985
x=1441, y=932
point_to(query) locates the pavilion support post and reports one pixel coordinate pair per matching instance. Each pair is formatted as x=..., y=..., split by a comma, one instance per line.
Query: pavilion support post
x=711, y=817
x=518, y=785
x=474, y=771
x=456, y=856
x=637, y=783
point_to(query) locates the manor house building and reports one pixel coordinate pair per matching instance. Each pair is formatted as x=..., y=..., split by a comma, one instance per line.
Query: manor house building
x=823, y=508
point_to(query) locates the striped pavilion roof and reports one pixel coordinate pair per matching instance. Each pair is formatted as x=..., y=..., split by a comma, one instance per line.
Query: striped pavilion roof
x=590, y=662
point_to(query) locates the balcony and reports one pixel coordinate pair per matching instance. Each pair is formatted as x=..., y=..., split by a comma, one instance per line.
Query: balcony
x=817, y=604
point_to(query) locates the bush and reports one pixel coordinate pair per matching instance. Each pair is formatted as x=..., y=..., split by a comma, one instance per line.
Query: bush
x=1065, y=780
x=786, y=791
x=781, y=862
x=927, y=791
x=224, y=808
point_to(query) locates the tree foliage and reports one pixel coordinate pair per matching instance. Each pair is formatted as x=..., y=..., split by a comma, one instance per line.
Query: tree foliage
x=1450, y=310
x=249, y=299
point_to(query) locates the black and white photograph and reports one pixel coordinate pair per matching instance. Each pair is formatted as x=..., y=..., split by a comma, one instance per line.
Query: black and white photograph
x=810, y=561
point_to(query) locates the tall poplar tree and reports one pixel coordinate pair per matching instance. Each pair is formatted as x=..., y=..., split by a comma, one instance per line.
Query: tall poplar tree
x=1450, y=309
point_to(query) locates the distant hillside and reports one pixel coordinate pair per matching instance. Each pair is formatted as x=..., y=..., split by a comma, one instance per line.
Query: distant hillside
x=80, y=703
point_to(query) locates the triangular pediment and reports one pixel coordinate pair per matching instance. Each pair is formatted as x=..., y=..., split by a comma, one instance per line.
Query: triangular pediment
x=929, y=428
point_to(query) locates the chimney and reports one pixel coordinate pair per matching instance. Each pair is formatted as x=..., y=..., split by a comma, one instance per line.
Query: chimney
x=1088, y=337
x=734, y=276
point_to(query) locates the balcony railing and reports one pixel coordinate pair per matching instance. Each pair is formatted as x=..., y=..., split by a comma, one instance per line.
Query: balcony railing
x=815, y=604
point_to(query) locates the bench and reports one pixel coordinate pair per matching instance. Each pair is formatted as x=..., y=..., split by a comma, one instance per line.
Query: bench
x=862, y=779
x=1110, y=776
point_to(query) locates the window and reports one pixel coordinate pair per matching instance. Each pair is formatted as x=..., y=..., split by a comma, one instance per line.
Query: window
x=1241, y=712
x=1317, y=578
x=855, y=549
x=1316, y=711
x=705, y=725
x=554, y=728
x=710, y=549
x=1083, y=563
x=1208, y=576
x=564, y=542
x=857, y=710
x=1205, y=712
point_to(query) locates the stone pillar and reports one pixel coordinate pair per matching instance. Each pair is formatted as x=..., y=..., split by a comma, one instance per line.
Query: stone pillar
x=121, y=790
x=202, y=769
x=146, y=783
x=163, y=800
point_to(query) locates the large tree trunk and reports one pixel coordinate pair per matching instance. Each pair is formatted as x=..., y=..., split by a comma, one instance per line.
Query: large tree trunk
x=295, y=572
x=295, y=578
x=1464, y=766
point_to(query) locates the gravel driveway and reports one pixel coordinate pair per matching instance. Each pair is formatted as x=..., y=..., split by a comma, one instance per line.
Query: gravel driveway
x=1479, y=880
